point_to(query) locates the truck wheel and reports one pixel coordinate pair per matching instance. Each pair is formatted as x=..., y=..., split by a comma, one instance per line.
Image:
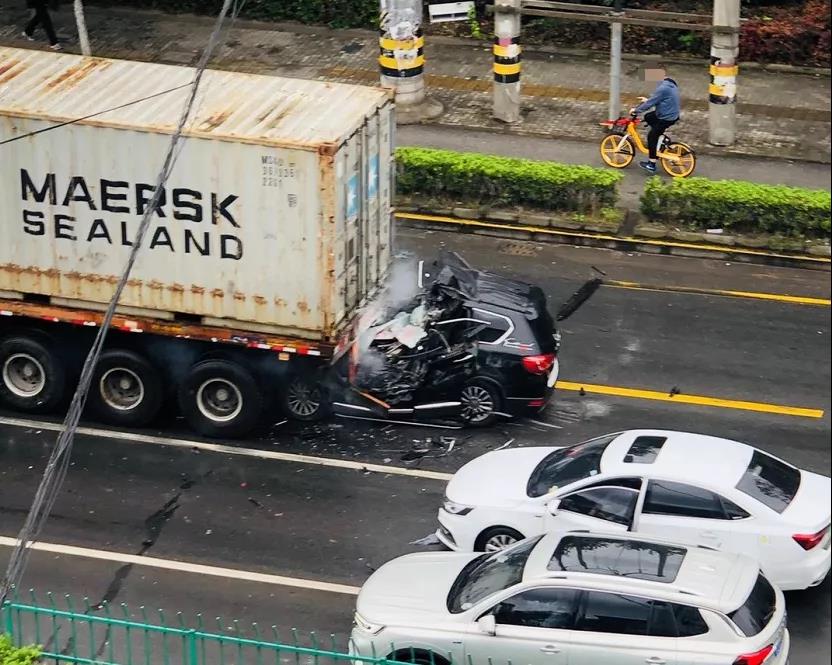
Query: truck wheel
x=32, y=378
x=126, y=389
x=304, y=399
x=220, y=398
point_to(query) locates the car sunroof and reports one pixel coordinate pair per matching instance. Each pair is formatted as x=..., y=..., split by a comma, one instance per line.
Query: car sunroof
x=620, y=558
x=645, y=449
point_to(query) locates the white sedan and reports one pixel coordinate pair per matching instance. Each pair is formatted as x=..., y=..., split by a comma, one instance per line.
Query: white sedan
x=573, y=599
x=689, y=488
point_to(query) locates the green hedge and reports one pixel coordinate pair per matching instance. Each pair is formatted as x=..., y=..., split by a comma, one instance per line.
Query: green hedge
x=11, y=655
x=504, y=181
x=335, y=13
x=736, y=205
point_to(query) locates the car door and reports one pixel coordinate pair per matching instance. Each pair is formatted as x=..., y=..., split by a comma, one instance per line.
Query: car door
x=601, y=508
x=690, y=514
x=617, y=629
x=532, y=628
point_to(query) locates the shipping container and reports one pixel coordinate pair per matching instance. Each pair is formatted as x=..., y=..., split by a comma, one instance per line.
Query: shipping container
x=276, y=215
x=271, y=232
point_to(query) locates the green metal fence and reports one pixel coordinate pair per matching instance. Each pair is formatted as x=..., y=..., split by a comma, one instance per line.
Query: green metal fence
x=104, y=634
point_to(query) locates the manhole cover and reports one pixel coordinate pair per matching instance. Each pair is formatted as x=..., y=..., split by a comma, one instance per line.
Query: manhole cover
x=519, y=249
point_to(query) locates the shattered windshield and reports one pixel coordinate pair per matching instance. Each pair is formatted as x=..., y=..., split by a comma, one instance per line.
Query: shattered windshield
x=566, y=465
x=488, y=574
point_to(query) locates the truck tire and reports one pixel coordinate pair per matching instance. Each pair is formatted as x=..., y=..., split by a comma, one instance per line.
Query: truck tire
x=32, y=377
x=126, y=389
x=220, y=398
x=304, y=398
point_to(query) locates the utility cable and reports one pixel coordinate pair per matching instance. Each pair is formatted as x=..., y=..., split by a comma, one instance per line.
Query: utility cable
x=58, y=464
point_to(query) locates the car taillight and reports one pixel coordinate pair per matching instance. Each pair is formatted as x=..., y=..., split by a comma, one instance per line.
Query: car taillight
x=756, y=658
x=809, y=540
x=539, y=364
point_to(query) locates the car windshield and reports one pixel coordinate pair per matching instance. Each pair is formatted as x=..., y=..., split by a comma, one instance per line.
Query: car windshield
x=770, y=481
x=755, y=613
x=488, y=574
x=566, y=465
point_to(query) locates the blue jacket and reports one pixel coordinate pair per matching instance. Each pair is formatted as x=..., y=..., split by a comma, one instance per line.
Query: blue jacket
x=666, y=100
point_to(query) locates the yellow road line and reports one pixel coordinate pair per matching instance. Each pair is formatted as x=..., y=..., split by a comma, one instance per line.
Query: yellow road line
x=699, y=400
x=776, y=297
x=602, y=236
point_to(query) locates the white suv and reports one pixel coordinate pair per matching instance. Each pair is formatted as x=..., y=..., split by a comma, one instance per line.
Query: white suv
x=576, y=598
x=688, y=488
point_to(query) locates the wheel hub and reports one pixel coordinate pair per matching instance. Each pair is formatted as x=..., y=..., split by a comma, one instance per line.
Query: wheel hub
x=121, y=389
x=219, y=400
x=23, y=375
x=302, y=399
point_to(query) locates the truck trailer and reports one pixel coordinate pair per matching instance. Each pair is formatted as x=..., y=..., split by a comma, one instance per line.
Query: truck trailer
x=272, y=232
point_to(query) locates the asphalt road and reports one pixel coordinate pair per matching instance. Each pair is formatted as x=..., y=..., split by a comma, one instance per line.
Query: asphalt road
x=335, y=523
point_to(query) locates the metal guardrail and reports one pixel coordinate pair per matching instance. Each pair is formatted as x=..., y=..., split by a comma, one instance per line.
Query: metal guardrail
x=102, y=634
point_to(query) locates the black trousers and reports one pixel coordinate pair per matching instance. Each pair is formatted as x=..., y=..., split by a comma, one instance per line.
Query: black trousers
x=657, y=128
x=41, y=17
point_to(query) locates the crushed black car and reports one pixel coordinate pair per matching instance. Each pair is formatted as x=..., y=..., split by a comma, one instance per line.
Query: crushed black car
x=471, y=345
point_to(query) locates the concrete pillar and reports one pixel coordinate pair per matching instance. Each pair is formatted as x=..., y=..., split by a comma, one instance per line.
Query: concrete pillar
x=507, y=60
x=81, y=23
x=615, y=71
x=722, y=91
x=401, y=50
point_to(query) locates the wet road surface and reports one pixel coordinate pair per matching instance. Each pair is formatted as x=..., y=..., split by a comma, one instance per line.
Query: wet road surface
x=241, y=510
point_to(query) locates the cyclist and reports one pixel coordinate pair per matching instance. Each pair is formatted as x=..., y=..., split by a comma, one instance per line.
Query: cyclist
x=666, y=103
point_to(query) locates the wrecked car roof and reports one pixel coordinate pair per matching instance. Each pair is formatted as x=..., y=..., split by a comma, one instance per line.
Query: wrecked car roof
x=480, y=286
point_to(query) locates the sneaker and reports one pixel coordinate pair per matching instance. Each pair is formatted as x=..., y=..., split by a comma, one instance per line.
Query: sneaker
x=58, y=47
x=648, y=166
x=28, y=36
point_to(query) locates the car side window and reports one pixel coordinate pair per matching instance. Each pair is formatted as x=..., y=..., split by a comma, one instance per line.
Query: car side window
x=613, y=504
x=497, y=326
x=668, y=498
x=613, y=613
x=629, y=482
x=539, y=608
x=689, y=621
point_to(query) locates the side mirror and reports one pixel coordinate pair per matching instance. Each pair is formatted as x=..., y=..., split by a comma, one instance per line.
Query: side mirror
x=487, y=624
x=552, y=506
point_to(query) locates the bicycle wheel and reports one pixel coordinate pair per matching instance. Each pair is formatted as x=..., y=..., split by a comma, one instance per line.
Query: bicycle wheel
x=617, y=151
x=683, y=161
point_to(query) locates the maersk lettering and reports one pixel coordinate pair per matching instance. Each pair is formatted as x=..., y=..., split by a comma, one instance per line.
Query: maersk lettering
x=112, y=200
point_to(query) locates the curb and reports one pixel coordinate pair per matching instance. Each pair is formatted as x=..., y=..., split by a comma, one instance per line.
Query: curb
x=627, y=243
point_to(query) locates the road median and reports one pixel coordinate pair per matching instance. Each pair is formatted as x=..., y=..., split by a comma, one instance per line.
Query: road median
x=552, y=202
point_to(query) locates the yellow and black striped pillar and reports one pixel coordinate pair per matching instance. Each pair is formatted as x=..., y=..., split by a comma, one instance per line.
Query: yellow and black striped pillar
x=402, y=64
x=507, y=61
x=722, y=91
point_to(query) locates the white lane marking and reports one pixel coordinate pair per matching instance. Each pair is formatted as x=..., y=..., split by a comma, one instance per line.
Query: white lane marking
x=185, y=567
x=232, y=450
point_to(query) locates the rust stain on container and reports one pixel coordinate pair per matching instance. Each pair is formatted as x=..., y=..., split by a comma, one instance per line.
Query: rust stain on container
x=213, y=121
x=74, y=75
x=5, y=70
x=303, y=306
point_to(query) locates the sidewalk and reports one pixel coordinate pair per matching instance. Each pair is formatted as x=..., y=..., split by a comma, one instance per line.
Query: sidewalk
x=780, y=114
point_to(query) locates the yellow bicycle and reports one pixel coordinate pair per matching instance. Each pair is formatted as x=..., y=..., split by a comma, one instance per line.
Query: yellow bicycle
x=618, y=148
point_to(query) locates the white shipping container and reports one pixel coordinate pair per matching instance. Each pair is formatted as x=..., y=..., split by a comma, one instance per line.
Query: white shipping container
x=277, y=217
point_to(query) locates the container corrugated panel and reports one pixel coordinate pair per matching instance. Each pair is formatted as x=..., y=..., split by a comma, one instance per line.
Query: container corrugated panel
x=277, y=215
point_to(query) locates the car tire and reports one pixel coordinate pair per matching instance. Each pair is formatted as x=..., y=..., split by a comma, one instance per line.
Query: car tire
x=32, y=377
x=497, y=538
x=126, y=389
x=220, y=398
x=304, y=398
x=482, y=401
x=418, y=657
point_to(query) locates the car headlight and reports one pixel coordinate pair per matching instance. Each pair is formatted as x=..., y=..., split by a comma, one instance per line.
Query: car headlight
x=456, y=508
x=367, y=626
